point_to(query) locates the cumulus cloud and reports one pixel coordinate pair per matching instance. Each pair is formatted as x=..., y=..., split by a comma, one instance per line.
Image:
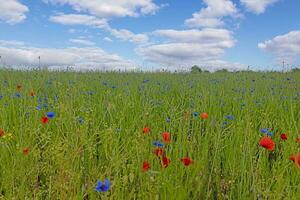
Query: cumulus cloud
x=126, y=35
x=79, y=58
x=77, y=19
x=188, y=47
x=284, y=47
x=213, y=14
x=257, y=6
x=109, y=9
x=79, y=41
x=12, y=11
x=107, y=39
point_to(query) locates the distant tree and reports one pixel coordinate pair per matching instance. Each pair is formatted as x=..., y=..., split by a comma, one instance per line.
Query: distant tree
x=222, y=70
x=196, y=69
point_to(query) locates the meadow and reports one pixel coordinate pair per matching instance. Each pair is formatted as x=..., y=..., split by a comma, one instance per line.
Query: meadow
x=149, y=135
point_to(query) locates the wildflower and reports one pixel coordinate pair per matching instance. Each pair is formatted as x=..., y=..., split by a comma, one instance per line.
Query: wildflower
x=159, y=152
x=186, y=161
x=26, y=151
x=45, y=120
x=264, y=130
x=268, y=143
x=186, y=115
x=102, y=186
x=80, y=120
x=1, y=132
x=166, y=137
x=230, y=117
x=146, y=166
x=39, y=107
x=296, y=159
x=165, y=161
x=195, y=114
x=31, y=93
x=146, y=130
x=158, y=144
x=19, y=87
x=283, y=136
x=51, y=115
x=204, y=115
x=168, y=120
x=298, y=140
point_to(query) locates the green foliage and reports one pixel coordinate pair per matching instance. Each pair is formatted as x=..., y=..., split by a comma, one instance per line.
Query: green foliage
x=196, y=69
x=67, y=157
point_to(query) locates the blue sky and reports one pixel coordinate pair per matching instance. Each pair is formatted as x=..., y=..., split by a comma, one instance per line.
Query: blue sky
x=88, y=34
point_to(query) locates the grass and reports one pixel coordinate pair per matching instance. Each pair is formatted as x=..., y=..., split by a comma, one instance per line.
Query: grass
x=97, y=134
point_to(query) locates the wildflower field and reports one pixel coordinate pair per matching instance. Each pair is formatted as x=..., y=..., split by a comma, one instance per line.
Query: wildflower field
x=67, y=135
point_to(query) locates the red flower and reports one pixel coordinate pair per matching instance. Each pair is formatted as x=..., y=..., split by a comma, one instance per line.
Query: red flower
x=166, y=137
x=159, y=151
x=298, y=140
x=19, y=87
x=146, y=130
x=186, y=161
x=146, y=166
x=283, y=136
x=296, y=159
x=1, y=132
x=31, y=93
x=45, y=120
x=268, y=143
x=186, y=115
x=26, y=151
x=204, y=115
x=165, y=161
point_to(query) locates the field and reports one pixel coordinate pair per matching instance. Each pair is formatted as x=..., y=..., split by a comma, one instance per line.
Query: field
x=60, y=132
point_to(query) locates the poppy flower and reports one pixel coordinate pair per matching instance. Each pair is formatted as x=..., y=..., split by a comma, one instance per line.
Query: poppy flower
x=296, y=159
x=26, y=151
x=166, y=137
x=45, y=120
x=19, y=87
x=186, y=161
x=102, y=186
x=31, y=93
x=298, y=140
x=146, y=130
x=146, y=166
x=1, y=132
x=165, y=161
x=268, y=143
x=283, y=136
x=204, y=115
x=51, y=115
x=159, y=151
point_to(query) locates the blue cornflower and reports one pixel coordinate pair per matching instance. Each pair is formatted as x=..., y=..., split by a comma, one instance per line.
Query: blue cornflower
x=270, y=134
x=168, y=120
x=80, y=120
x=18, y=95
x=264, y=130
x=39, y=107
x=1, y=96
x=113, y=87
x=146, y=81
x=230, y=117
x=196, y=114
x=158, y=144
x=102, y=186
x=51, y=115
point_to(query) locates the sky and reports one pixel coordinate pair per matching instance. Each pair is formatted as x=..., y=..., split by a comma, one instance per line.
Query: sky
x=150, y=34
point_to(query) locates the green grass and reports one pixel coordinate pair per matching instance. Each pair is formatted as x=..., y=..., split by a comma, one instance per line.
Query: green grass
x=67, y=158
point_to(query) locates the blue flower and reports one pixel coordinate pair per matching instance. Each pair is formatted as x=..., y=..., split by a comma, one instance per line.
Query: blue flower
x=80, y=120
x=264, y=130
x=39, y=107
x=270, y=134
x=168, y=120
x=196, y=114
x=18, y=95
x=51, y=115
x=158, y=144
x=102, y=186
x=230, y=117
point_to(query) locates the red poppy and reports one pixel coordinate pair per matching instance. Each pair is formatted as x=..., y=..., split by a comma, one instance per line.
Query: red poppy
x=146, y=130
x=186, y=161
x=26, y=151
x=298, y=140
x=45, y=120
x=1, y=132
x=31, y=93
x=19, y=87
x=296, y=159
x=204, y=115
x=268, y=143
x=159, y=151
x=165, y=161
x=186, y=115
x=146, y=166
x=166, y=137
x=283, y=136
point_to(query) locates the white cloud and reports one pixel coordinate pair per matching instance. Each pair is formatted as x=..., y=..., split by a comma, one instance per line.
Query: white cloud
x=186, y=48
x=109, y=8
x=212, y=15
x=257, y=6
x=81, y=58
x=126, y=35
x=76, y=19
x=12, y=11
x=107, y=39
x=82, y=42
x=284, y=47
